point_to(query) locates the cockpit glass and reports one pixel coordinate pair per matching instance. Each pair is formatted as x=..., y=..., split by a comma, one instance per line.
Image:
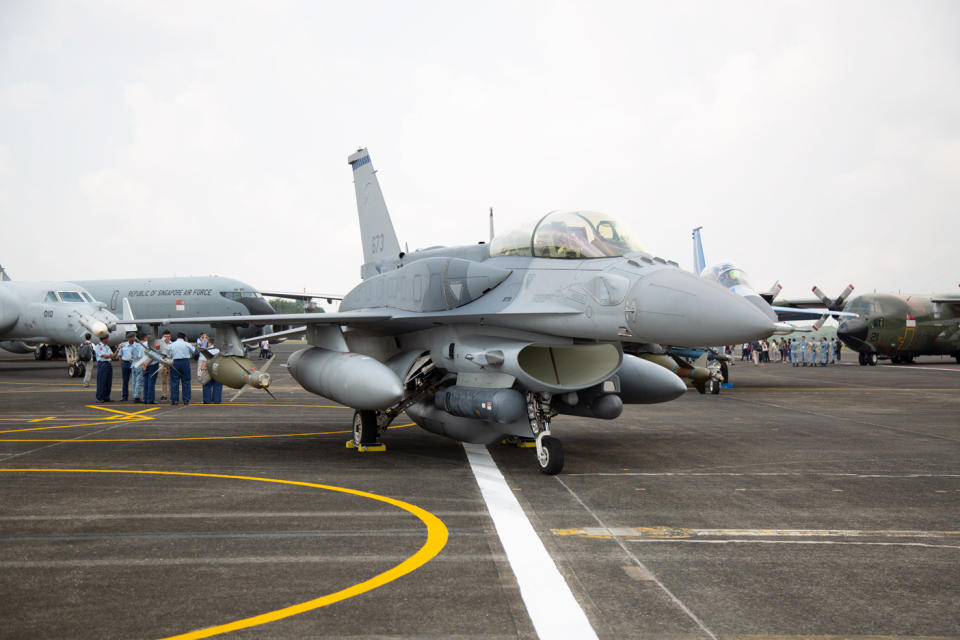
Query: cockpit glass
x=568, y=234
x=728, y=275
x=51, y=297
x=87, y=296
x=71, y=296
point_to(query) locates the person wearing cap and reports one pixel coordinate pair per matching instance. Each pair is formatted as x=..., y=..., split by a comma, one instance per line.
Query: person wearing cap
x=126, y=364
x=212, y=390
x=105, y=356
x=180, y=351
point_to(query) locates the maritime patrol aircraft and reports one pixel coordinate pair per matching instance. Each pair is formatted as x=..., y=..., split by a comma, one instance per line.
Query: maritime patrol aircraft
x=43, y=317
x=484, y=341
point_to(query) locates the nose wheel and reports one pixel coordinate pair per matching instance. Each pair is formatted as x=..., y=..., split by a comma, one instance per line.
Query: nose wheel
x=549, y=454
x=366, y=432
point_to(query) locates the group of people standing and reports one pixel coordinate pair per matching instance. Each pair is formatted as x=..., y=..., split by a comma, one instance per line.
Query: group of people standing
x=800, y=352
x=166, y=364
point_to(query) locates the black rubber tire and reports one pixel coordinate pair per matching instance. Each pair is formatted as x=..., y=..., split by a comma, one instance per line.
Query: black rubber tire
x=40, y=353
x=72, y=371
x=552, y=461
x=895, y=359
x=714, y=386
x=81, y=370
x=364, y=427
x=958, y=359
x=725, y=372
x=863, y=358
x=872, y=359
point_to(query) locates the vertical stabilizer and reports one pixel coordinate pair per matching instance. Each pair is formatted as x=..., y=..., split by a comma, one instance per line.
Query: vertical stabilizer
x=699, y=264
x=376, y=230
x=3, y=275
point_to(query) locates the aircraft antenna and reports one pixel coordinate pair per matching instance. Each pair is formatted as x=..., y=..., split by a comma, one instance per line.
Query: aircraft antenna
x=491, y=224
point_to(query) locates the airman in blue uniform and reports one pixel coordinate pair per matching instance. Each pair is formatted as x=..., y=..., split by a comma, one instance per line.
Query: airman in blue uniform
x=180, y=351
x=825, y=348
x=802, y=351
x=812, y=352
x=126, y=364
x=105, y=356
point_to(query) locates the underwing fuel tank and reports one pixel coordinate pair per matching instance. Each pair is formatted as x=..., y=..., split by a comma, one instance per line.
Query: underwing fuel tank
x=642, y=382
x=235, y=372
x=352, y=379
x=497, y=405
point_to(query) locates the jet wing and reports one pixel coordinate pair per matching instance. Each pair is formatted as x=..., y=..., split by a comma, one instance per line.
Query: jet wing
x=380, y=317
x=946, y=299
x=786, y=314
x=293, y=295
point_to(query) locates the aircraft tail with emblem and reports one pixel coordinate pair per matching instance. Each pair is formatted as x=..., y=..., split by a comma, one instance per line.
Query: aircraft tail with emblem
x=380, y=244
x=699, y=263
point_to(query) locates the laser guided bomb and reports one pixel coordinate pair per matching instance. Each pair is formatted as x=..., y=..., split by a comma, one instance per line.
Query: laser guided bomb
x=483, y=341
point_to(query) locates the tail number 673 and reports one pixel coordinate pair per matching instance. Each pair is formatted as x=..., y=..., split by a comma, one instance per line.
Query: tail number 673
x=376, y=243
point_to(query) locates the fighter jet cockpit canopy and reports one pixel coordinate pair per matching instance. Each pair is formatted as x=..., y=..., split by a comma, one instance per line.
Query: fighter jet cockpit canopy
x=727, y=275
x=567, y=234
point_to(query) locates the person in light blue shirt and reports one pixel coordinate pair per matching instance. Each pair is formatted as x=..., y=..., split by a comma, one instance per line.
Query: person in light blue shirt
x=180, y=351
x=136, y=368
x=812, y=353
x=212, y=390
x=793, y=352
x=105, y=356
x=126, y=365
x=824, y=352
x=802, y=351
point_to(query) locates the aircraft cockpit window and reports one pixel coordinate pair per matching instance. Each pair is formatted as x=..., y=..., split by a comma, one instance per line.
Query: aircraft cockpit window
x=87, y=296
x=71, y=296
x=231, y=295
x=251, y=294
x=51, y=297
x=728, y=275
x=567, y=234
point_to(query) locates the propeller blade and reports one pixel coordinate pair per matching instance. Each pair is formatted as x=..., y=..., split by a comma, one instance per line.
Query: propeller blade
x=843, y=297
x=823, y=297
x=819, y=323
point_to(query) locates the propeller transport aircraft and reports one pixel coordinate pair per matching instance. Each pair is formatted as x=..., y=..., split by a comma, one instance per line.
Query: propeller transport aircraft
x=44, y=318
x=484, y=341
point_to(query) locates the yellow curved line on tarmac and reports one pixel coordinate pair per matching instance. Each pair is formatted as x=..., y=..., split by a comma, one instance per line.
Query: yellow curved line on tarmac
x=437, y=535
x=278, y=435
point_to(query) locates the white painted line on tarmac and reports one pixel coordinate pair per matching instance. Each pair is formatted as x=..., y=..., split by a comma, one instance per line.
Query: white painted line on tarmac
x=554, y=611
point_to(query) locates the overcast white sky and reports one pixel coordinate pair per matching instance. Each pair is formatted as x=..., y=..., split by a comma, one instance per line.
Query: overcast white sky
x=816, y=142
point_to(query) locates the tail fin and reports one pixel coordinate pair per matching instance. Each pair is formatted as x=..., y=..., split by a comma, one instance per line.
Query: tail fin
x=699, y=264
x=127, y=321
x=376, y=230
x=3, y=275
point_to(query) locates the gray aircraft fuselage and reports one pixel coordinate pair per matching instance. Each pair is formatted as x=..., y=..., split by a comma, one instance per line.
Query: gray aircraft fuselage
x=182, y=297
x=51, y=312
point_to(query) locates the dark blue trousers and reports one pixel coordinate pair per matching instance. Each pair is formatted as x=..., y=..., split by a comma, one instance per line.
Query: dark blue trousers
x=180, y=378
x=150, y=382
x=212, y=392
x=104, y=381
x=125, y=375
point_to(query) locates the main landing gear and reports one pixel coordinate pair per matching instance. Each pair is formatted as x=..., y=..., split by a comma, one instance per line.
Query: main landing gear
x=549, y=449
x=868, y=359
x=366, y=432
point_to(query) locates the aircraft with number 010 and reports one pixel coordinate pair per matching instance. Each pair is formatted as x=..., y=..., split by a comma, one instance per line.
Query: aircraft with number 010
x=50, y=319
x=487, y=341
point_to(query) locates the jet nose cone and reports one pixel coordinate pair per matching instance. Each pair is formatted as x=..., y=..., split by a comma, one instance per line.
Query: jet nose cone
x=674, y=307
x=853, y=332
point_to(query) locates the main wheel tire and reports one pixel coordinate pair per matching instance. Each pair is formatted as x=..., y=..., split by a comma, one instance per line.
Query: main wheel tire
x=40, y=353
x=364, y=427
x=81, y=370
x=958, y=359
x=895, y=359
x=550, y=456
x=872, y=359
x=714, y=386
x=863, y=358
x=725, y=372
x=72, y=371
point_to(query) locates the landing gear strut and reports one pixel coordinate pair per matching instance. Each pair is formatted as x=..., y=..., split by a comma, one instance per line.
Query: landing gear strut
x=549, y=449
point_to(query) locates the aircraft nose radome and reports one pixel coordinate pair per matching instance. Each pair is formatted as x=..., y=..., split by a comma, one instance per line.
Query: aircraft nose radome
x=852, y=331
x=678, y=308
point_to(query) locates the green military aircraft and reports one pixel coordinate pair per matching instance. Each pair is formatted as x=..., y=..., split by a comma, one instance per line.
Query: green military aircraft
x=901, y=326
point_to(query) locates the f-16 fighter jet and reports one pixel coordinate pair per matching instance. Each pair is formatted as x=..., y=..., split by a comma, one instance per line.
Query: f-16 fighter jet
x=44, y=318
x=487, y=341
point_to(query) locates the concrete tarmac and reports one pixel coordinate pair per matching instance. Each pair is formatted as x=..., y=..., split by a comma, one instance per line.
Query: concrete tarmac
x=817, y=503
